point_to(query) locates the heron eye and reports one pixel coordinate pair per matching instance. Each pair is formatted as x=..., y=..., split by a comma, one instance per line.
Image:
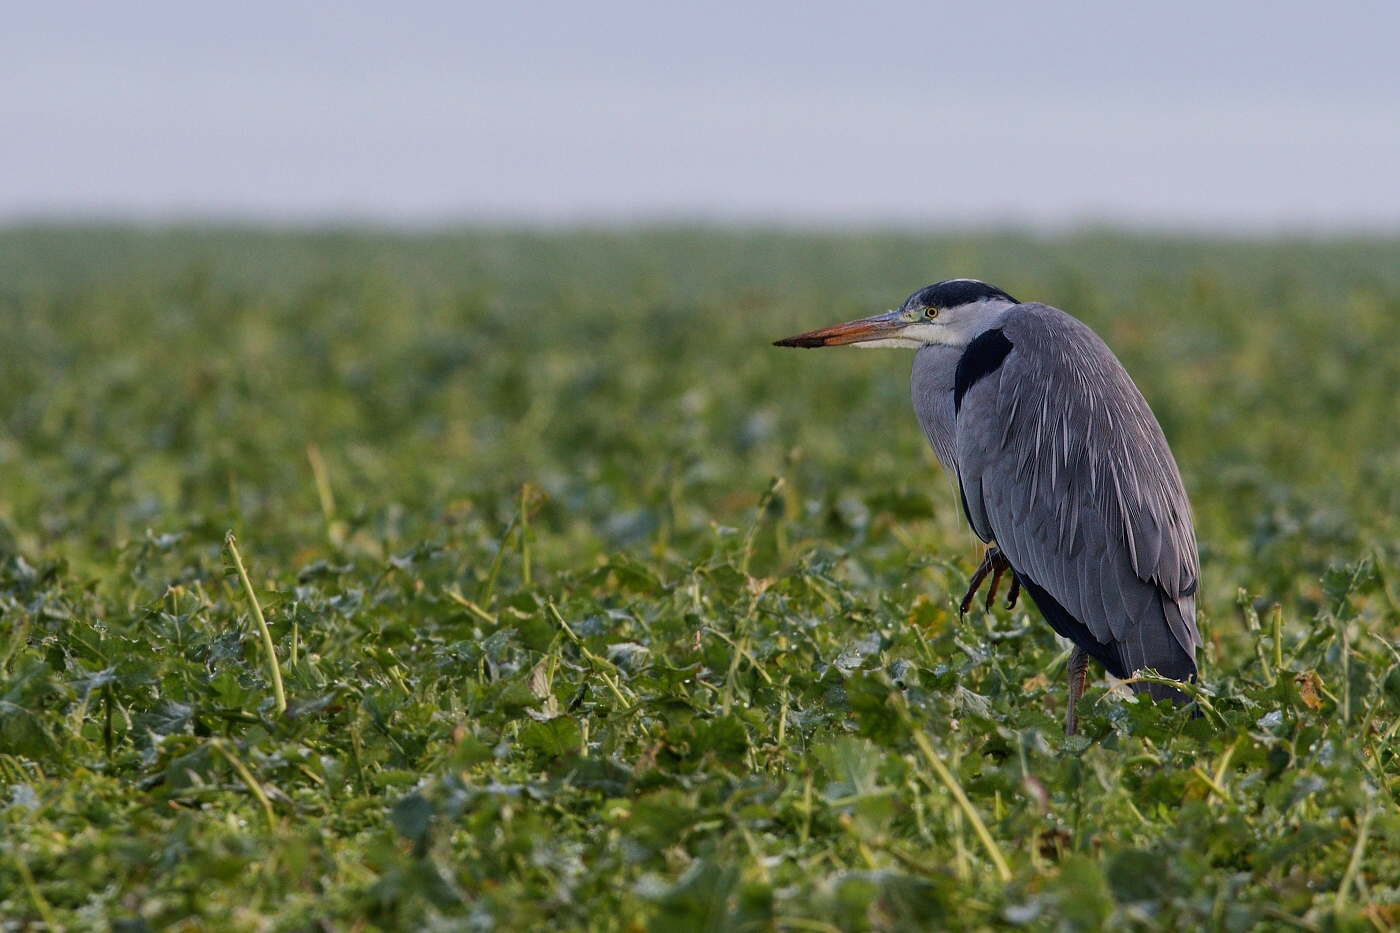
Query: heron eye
x=931, y=313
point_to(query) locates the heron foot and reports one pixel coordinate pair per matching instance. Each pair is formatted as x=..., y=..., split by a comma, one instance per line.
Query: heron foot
x=996, y=564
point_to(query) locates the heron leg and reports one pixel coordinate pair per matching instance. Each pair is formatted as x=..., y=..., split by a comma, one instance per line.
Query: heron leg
x=996, y=564
x=1077, y=668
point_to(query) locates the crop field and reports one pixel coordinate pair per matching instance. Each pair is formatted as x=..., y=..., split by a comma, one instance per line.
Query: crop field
x=590, y=610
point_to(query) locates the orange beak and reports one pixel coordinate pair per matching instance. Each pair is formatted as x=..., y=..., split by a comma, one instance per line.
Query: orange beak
x=878, y=327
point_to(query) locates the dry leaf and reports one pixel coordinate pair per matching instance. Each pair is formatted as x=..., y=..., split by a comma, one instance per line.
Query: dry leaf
x=539, y=680
x=1038, y=682
x=926, y=614
x=1309, y=689
x=757, y=586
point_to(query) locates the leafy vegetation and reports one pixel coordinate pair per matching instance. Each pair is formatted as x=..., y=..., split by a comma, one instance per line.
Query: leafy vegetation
x=592, y=611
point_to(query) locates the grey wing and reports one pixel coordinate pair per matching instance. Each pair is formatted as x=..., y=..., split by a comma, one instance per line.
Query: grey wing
x=1063, y=464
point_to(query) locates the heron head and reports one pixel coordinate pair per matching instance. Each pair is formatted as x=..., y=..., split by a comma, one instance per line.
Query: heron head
x=951, y=312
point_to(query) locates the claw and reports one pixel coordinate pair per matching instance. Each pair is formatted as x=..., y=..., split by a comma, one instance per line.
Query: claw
x=992, y=563
x=1014, y=593
x=975, y=583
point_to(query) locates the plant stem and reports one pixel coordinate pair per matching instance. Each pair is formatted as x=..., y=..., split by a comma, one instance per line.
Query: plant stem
x=323, y=482
x=35, y=895
x=485, y=597
x=954, y=788
x=470, y=606
x=767, y=497
x=525, y=532
x=782, y=717
x=251, y=781
x=355, y=756
x=1346, y=673
x=805, y=832
x=262, y=625
x=1344, y=889
x=107, y=720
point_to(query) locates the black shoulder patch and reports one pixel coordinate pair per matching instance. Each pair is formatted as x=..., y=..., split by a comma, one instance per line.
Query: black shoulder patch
x=982, y=357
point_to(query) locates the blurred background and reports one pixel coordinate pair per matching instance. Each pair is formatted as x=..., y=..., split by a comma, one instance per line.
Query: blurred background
x=1236, y=116
x=461, y=248
x=451, y=311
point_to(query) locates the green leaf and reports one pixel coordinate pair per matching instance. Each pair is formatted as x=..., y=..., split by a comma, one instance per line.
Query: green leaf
x=724, y=739
x=627, y=574
x=552, y=739
x=852, y=765
x=909, y=903
x=656, y=820
x=869, y=698
x=24, y=699
x=411, y=817
x=1137, y=877
x=1081, y=895
x=699, y=900
x=903, y=504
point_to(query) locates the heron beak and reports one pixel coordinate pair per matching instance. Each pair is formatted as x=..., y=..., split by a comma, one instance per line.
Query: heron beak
x=879, y=327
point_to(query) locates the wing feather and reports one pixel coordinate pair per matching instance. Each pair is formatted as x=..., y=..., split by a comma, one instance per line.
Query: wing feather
x=1081, y=491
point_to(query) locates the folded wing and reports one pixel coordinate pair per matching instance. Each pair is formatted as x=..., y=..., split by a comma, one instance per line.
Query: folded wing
x=1062, y=463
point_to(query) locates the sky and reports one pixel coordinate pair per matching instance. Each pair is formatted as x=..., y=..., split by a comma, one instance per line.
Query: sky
x=1220, y=116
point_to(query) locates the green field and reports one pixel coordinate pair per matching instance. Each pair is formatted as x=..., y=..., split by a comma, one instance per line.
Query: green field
x=593, y=611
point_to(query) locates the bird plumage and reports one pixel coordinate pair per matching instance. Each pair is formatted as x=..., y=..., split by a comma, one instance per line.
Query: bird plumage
x=1061, y=463
x=1061, y=467
x=935, y=369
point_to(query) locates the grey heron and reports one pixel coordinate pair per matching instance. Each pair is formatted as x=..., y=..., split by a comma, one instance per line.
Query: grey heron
x=1062, y=470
